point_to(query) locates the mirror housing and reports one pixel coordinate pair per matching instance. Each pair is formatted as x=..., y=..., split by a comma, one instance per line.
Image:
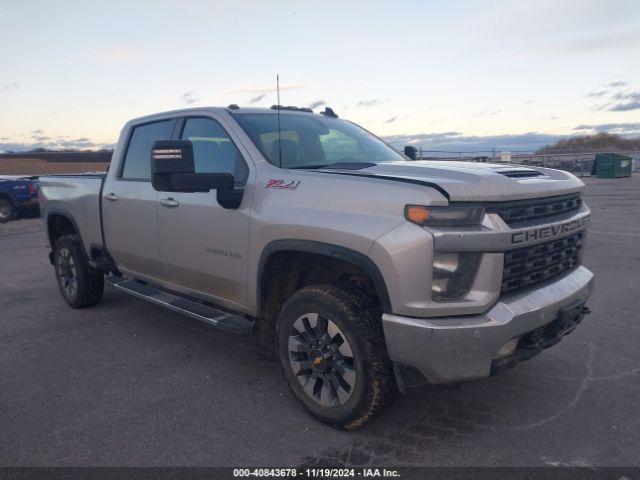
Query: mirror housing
x=173, y=170
x=200, y=182
x=411, y=152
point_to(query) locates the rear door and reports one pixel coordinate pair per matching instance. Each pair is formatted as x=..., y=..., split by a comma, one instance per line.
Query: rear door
x=203, y=246
x=129, y=204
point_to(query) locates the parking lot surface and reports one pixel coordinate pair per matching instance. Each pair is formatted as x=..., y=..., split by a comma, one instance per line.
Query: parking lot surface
x=129, y=383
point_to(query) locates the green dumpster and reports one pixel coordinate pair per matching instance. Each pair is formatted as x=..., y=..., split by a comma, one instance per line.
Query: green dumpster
x=611, y=165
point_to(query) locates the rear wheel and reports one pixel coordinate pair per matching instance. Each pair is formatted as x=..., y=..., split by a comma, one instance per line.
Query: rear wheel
x=7, y=212
x=78, y=285
x=332, y=352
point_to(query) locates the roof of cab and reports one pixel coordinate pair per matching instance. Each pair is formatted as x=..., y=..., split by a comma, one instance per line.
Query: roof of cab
x=195, y=110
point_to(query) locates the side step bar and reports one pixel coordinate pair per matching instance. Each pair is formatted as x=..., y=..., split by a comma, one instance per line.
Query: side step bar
x=222, y=320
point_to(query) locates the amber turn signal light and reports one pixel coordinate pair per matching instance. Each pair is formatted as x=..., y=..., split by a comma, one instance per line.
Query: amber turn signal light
x=417, y=214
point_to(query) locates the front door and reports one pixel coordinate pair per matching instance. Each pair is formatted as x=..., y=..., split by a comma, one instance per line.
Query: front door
x=203, y=246
x=129, y=204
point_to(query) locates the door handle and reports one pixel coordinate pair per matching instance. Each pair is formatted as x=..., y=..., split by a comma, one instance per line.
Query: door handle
x=169, y=202
x=111, y=196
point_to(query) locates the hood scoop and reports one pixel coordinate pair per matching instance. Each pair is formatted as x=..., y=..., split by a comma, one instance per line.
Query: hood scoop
x=522, y=173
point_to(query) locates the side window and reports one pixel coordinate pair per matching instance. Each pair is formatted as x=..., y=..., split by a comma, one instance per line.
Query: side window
x=137, y=162
x=213, y=150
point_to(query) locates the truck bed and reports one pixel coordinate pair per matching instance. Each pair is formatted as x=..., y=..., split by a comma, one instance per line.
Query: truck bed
x=76, y=197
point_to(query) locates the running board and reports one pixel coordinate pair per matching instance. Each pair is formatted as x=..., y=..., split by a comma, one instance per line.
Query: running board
x=219, y=319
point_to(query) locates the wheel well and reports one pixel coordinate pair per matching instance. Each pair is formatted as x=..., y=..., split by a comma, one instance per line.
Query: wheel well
x=58, y=226
x=4, y=196
x=287, y=271
x=301, y=269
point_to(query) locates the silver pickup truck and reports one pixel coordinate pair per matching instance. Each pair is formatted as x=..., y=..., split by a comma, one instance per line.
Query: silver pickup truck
x=361, y=271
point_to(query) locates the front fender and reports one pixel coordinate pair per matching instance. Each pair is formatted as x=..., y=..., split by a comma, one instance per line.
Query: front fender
x=329, y=250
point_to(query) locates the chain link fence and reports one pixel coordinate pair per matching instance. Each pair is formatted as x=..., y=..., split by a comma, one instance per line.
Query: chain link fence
x=19, y=191
x=18, y=198
x=580, y=164
x=19, y=172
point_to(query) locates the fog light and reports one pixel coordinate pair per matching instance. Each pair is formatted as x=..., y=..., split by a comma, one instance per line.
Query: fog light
x=507, y=349
x=439, y=286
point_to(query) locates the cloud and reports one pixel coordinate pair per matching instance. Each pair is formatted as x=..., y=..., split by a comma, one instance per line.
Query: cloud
x=316, y=104
x=37, y=132
x=188, y=98
x=624, y=129
x=391, y=120
x=625, y=107
x=598, y=94
x=528, y=102
x=370, y=103
x=291, y=86
x=618, y=84
x=258, y=98
x=40, y=138
x=625, y=102
x=456, y=142
x=442, y=143
x=551, y=118
x=9, y=86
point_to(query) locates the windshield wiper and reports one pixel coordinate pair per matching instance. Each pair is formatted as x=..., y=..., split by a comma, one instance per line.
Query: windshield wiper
x=350, y=165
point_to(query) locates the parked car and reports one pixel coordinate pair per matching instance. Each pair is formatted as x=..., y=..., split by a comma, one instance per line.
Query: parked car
x=18, y=197
x=362, y=272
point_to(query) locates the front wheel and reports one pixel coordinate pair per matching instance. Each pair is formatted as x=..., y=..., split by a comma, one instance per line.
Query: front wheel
x=78, y=285
x=333, y=354
x=7, y=212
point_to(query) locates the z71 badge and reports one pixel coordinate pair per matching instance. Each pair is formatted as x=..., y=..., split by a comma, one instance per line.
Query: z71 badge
x=283, y=184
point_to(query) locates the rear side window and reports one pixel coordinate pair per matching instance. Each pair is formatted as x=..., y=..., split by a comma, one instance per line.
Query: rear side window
x=213, y=150
x=137, y=162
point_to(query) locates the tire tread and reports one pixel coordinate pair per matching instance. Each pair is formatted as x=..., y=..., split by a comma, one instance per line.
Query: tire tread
x=90, y=285
x=365, y=317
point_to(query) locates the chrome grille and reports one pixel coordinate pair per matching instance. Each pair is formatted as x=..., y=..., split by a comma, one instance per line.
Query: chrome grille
x=531, y=265
x=525, y=211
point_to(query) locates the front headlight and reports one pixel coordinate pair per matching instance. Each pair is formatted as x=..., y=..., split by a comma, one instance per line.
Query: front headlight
x=443, y=216
x=453, y=275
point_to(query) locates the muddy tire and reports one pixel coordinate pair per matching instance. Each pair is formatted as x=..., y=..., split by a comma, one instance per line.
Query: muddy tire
x=78, y=285
x=333, y=355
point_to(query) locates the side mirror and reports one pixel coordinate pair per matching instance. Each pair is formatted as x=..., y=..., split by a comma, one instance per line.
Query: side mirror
x=411, y=152
x=173, y=170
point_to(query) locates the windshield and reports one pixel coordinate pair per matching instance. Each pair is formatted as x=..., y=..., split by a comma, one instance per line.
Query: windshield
x=313, y=141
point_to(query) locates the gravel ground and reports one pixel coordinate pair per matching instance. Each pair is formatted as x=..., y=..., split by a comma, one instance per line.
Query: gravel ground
x=128, y=383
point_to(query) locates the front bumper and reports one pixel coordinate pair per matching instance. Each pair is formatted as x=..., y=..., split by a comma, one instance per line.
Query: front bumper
x=460, y=348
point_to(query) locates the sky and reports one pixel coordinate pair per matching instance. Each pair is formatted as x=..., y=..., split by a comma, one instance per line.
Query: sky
x=456, y=75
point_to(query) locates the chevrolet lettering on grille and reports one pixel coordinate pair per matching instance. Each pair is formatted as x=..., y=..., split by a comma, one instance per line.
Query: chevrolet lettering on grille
x=549, y=232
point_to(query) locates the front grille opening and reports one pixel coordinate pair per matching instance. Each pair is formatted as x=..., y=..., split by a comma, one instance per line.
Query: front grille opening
x=528, y=266
x=522, y=212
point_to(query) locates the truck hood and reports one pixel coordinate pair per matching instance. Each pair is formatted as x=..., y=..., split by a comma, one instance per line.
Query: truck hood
x=467, y=181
